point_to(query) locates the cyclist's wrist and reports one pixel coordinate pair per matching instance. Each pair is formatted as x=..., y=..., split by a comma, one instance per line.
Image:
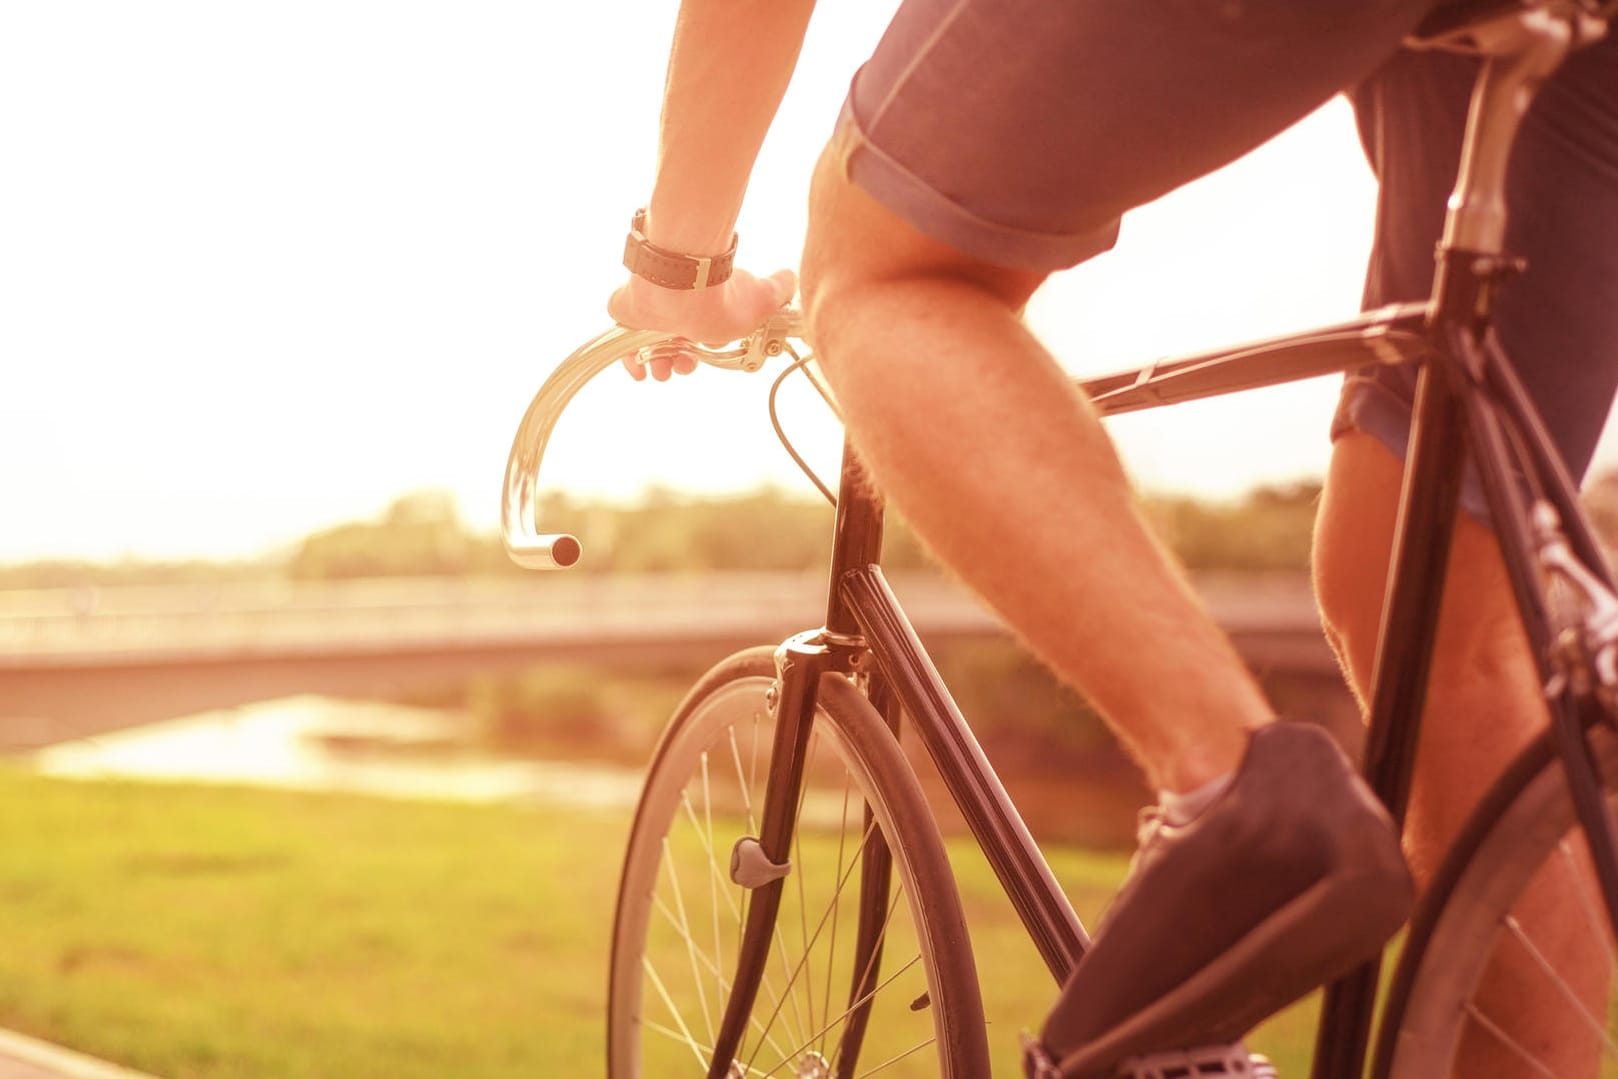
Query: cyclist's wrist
x=651, y=256
x=650, y=296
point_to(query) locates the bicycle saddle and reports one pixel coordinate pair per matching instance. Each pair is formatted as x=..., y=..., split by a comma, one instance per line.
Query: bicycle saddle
x=1453, y=16
x=1448, y=23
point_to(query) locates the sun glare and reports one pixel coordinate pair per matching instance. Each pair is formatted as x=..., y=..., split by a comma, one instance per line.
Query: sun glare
x=263, y=274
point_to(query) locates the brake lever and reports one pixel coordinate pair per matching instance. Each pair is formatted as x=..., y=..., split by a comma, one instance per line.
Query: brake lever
x=762, y=345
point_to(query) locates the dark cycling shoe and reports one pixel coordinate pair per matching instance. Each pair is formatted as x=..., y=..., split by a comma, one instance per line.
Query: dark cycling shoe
x=1290, y=878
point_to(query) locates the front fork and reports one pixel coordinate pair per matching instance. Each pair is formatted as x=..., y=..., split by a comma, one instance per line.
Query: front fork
x=762, y=863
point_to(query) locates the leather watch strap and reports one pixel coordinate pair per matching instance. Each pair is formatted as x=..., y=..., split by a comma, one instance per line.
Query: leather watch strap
x=672, y=269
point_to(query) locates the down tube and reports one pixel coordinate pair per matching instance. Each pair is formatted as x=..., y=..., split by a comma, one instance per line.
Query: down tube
x=971, y=780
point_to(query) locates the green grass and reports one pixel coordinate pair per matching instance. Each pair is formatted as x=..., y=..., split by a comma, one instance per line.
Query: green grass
x=212, y=932
x=203, y=932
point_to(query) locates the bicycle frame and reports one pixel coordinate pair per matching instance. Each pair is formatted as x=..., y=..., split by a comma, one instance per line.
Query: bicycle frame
x=1467, y=400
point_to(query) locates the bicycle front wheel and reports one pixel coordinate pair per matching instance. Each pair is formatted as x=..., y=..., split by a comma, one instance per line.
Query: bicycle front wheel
x=1520, y=896
x=870, y=970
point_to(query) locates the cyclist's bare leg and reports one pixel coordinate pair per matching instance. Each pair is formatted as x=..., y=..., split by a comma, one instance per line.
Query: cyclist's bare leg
x=1003, y=468
x=1484, y=704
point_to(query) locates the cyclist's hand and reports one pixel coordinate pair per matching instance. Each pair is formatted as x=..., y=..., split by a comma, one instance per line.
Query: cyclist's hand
x=717, y=316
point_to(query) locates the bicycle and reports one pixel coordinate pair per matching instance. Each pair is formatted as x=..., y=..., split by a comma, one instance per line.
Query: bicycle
x=778, y=803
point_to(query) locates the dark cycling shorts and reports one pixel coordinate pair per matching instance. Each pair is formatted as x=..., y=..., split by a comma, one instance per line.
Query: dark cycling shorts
x=1559, y=320
x=1019, y=131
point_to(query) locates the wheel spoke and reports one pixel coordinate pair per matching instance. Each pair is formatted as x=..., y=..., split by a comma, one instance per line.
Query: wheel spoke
x=1508, y=1041
x=684, y=929
x=1555, y=978
x=876, y=950
x=674, y=1011
x=744, y=782
x=681, y=927
x=831, y=954
x=891, y=1061
x=704, y=1052
x=801, y=875
x=803, y=960
x=715, y=871
x=789, y=993
x=718, y=882
x=851, y=1009
x=720, y=976
x=1589, y=902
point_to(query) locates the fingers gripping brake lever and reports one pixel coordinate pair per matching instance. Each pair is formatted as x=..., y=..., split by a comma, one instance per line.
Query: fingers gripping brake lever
x=766, y=342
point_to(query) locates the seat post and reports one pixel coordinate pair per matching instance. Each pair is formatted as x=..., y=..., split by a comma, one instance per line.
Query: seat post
x=1521, y=50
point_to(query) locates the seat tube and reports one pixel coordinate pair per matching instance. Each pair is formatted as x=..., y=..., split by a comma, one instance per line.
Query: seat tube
x=1472, y=265
x=1410, y=613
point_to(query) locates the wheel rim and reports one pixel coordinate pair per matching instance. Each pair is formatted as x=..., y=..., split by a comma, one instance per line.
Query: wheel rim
x=1573, y=961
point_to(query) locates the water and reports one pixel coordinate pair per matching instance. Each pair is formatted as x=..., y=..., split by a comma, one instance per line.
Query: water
x=319, y=743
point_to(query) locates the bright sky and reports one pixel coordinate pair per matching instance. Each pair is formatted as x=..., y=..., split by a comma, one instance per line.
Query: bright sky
x=265, y=267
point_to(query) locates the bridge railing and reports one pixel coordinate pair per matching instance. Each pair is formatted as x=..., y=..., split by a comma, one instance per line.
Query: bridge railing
x=80, y=625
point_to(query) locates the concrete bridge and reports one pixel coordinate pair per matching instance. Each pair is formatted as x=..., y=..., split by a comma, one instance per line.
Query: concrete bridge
x=74, y=663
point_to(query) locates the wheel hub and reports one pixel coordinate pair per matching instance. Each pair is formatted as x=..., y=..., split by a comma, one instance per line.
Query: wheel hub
x=812, y=1066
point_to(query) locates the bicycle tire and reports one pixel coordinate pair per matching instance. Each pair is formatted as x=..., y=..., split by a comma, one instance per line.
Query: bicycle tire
x=670, y=951
x=1524, y=823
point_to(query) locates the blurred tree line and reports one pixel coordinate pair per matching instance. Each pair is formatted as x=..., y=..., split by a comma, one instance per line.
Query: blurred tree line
x=768, y=529
x=662, y=532
x=422, y=534
x=79, y=573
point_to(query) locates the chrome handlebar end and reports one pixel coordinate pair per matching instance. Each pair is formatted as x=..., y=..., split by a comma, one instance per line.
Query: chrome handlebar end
x=558, y=551
x=532, y=549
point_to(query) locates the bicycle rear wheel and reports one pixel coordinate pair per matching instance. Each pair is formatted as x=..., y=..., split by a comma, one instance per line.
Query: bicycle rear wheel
x=870, y=969
x=1525, y=845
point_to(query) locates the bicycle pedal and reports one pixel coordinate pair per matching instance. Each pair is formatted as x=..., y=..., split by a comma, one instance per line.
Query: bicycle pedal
x=1207, y=1061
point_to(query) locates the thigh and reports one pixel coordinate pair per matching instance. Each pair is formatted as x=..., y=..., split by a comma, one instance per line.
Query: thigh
x=1557, y=321
x=1019, y=130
